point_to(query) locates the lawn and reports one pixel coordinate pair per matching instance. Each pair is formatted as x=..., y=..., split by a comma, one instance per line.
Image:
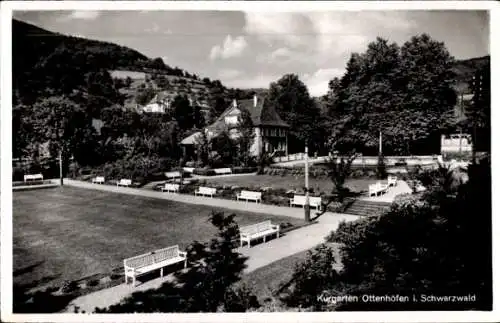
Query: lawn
x=67, y=233
x=289, y=182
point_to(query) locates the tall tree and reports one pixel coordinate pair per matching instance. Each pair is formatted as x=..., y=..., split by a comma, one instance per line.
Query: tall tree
x=183, y=112
x=292, y=101
x=478, y=113
x=246, y=136
x=404, y=92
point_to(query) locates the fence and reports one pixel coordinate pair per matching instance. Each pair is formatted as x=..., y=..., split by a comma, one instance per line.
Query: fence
x=366, y=160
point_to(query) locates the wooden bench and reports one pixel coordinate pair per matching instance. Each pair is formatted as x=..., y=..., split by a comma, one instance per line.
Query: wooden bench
x=98, y=180
x=124, y=182
x=33, y=177
x=314, y=201
x=257, y=231
x=377, y=189
x=188, y=169
x=142, y=264
x=222, y=171
x=173, y=175
x=174, y=188
x=205, y=191
x=392, y=180
x=249, y=196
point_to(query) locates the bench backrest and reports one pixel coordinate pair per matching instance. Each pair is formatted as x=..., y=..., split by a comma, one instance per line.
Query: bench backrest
x=392, y=178
x=256, y=228
x=207, y=190
x=99, y=179
x=33, y=177
x=315, y=200
x=125, y=181
x=173, y=187
x=250, y=194
x=188, y=169
x=299, y=199
x=374, y=187
x=152, y=257
x=173, y=174
x=222, y=171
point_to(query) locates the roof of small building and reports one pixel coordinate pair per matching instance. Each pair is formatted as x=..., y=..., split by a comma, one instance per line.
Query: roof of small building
x=262, y=114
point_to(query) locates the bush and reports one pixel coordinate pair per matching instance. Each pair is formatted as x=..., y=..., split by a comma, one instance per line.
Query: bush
x=17, y=174
x=92, y=282
x=204, y=172
x=243, y=170
x=69, y=287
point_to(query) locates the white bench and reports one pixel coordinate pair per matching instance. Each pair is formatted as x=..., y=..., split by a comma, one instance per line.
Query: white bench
x=142, y=264
x=314, y=201
x=98, y=180
x=174, y=188
x=392, y=180
x=377, y=189
x=124, y=182
x=257, y=231
x=188, y=169
x=33, y=177
x=250, y=196
x=205, y=191
x=173, y=175
x=222, y=171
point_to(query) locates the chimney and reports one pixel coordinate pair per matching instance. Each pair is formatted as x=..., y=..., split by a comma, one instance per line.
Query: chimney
x=255, y=100
x=235, y=104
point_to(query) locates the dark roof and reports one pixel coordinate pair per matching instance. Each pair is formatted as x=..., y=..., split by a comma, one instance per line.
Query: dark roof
x=263, y=114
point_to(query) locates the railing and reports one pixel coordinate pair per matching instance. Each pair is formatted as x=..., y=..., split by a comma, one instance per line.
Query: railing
x=365, y=160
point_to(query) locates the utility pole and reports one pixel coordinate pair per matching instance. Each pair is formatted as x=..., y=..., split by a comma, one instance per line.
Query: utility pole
x=307, y=209
x=60, y=167
x=380, y=143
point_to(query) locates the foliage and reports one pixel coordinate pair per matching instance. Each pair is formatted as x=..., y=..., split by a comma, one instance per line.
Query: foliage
x=311, y=278
x=294, y=105
x=208, y=284
x=406, y=92
x=398, y=252
x=203, y=146
x=245, y=139
x=225, y=147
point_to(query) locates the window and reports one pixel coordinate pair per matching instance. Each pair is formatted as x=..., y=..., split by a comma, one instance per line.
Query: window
x=231, y=120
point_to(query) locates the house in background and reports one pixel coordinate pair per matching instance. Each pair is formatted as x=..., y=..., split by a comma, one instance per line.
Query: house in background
x=271, y=132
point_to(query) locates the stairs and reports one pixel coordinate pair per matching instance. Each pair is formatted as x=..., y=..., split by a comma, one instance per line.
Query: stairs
x=367, y=208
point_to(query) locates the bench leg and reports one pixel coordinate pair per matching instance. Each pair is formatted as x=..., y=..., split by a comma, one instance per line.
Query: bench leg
x=161, y=272
x=185, y=264
x=264, y=239
x=133, y=280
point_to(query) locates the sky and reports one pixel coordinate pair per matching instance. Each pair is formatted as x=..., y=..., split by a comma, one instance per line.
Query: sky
x=252, y=49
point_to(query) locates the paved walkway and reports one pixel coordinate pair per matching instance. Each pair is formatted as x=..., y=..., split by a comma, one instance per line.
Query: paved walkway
x=260, y=255
x=191, y=199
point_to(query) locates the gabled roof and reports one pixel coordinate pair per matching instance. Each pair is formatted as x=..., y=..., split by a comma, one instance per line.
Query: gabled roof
x=262, y=114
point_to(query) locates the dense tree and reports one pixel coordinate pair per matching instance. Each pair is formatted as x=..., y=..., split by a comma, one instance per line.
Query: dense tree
x=478, y=112
x=291, y=99
x=246, y=136
x=398, y=252
x=404, y=92
x=225, y=147
x=183, y=112
x=65, y=126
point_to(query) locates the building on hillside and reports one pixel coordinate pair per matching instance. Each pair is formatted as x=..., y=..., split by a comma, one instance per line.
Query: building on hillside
x=271, y=132
x=162, y=102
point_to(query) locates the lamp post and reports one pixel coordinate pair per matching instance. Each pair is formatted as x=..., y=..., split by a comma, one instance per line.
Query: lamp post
x=307, y=209
x=60, y=168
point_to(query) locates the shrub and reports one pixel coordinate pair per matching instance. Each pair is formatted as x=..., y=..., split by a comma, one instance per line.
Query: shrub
x=92, y=282
x=243, y=170
x=17, y=174
x=204, y=172
x=69, y=287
